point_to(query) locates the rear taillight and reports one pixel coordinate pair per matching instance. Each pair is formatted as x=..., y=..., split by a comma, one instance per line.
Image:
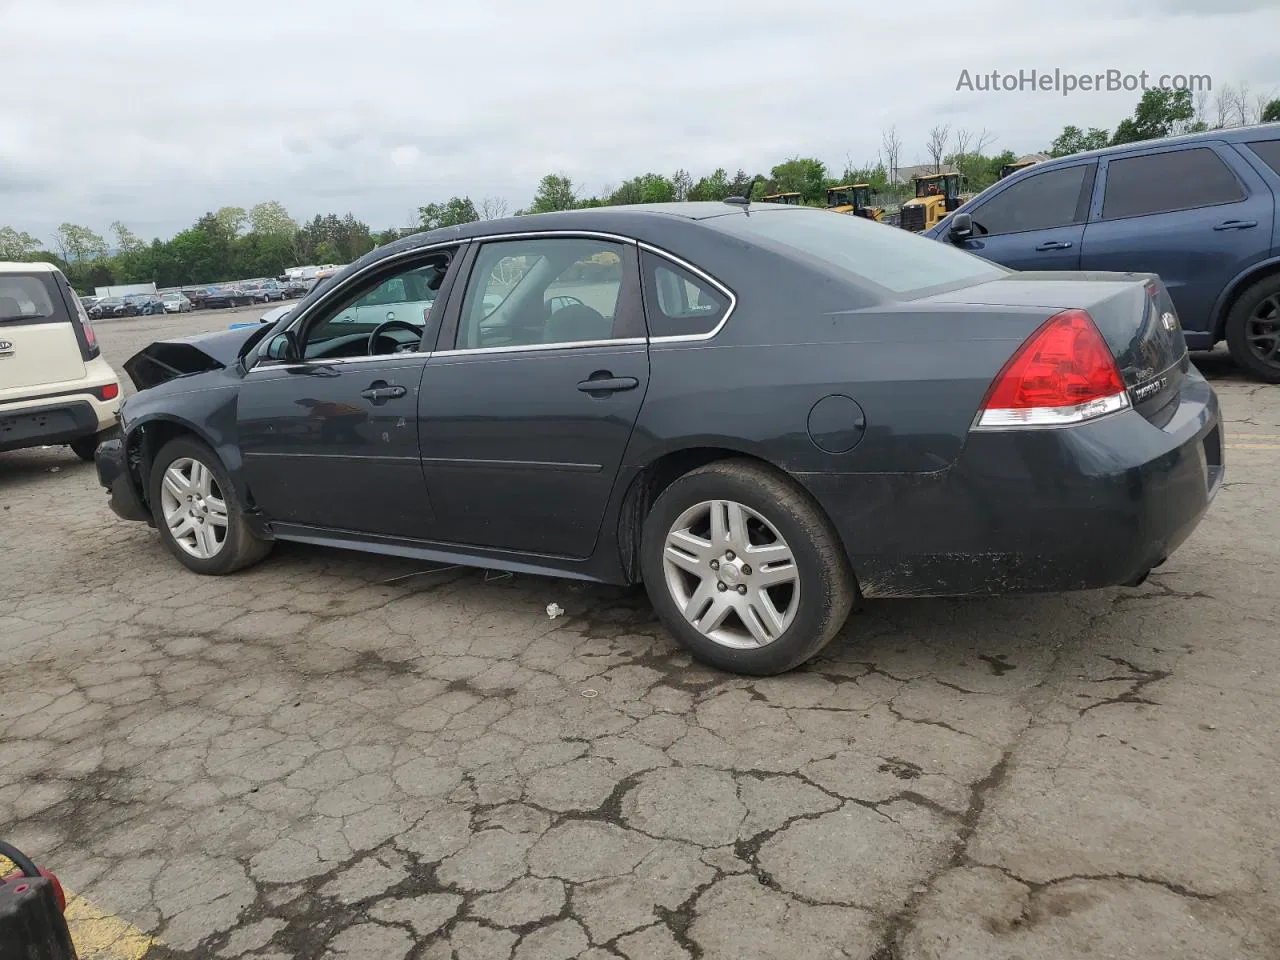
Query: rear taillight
x=1063, y=374
x=108, y=391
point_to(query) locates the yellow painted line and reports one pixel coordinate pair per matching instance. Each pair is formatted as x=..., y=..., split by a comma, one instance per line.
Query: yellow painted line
x=96, y=934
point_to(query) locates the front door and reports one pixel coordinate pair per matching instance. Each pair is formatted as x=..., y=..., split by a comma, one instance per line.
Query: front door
x=1036, y=222
x=529, y=401
x=331, y=440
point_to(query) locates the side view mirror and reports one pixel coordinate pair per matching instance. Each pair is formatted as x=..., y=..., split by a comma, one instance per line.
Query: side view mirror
x=283, y=346
x=961, y=228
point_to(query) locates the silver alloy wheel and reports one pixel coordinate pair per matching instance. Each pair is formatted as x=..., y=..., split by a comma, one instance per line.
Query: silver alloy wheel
x=194, y=508
x=732, y=574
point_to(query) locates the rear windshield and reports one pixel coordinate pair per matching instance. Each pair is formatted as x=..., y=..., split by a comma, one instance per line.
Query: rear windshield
x=30, y=298
x=897, y=261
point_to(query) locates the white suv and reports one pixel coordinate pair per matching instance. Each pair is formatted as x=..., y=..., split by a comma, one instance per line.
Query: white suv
x=55, y=385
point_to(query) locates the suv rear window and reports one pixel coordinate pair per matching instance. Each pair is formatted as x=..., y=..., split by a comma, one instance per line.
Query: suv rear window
x=897, y=261
x=1165, y=182
x=1268, y=151
x=30, y=298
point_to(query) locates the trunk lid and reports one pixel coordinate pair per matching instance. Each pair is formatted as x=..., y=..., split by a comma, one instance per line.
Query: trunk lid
x=1132, y=311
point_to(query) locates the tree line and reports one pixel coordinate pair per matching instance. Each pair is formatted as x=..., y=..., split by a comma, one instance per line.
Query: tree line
x=263, y=240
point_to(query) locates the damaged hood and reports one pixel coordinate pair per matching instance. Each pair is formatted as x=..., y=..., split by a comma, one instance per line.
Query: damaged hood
x=183, y=356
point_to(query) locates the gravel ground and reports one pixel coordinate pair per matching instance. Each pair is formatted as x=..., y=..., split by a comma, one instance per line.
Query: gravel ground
x=340, y=755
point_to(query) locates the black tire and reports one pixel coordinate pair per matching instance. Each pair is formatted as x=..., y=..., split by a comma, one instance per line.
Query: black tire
x=1238, y=324
x=828, y=592
x=240, y=548
x=84, y=447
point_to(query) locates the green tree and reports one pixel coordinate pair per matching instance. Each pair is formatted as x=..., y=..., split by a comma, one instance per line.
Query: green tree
x=232, y=220
x=1160, y=113
x=681, y=184
x=555, y=192
x=271, y=218
x=1271, y=112
x=126, y=240
x=17, y=244
x=874, y=175
x=649, y=188
x=1074, y=140
x=455, y=211
x=803, y=175
x=714, y=187
x=79, y=244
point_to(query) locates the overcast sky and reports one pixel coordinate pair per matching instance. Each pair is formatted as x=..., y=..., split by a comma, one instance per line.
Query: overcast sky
x=154, y=111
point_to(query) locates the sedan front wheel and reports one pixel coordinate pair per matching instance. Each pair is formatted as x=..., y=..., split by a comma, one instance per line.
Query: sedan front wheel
x=196, y=511
x=744, y=569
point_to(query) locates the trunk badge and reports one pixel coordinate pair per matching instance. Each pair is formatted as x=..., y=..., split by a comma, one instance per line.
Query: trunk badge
x=6, y=347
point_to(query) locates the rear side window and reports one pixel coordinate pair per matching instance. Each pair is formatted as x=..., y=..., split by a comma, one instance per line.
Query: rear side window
x=678, y=303
x=30, y=298
x=1268, y=151
x=1043, y=201
x=1165, y=182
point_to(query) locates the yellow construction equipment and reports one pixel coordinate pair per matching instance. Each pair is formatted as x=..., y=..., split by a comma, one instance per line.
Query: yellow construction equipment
x=789, y=198
x=937, y=194
x=1014, y=167
x=854, y=199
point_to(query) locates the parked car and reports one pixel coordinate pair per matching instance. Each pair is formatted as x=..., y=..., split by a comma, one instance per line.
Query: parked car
x=146, y=304
x=176, y=303
x=88, y=302
x=263, y=291
x=220, y=298
x=196, y=295
x=109, y=308
x=293, y=289
x=763, y=416
x=55, y=385
x=1198, y=210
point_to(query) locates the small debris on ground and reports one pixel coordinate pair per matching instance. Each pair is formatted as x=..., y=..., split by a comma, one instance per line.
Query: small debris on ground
x=554, y=610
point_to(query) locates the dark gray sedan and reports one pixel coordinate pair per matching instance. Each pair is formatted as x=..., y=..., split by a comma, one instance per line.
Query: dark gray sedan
x=764, y=413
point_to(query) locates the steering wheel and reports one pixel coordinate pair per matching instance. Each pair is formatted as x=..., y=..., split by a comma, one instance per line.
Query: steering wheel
x=386, y=325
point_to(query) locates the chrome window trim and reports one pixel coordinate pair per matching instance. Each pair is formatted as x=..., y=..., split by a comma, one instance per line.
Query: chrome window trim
x=266, y=365
x=544, y=347
x=703, y=275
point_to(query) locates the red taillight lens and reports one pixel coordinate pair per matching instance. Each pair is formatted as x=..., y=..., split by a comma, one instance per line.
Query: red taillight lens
x=90, y=337
x=109, y=392
x=1063, y=374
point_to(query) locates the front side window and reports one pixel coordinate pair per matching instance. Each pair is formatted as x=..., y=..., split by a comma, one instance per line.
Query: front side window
x=1044, y=201
x=1165, y=182
x=396, y=307
x=558, y=290
x=678, y=303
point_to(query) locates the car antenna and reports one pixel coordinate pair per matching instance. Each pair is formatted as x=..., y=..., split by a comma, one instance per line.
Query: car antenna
x=744, y=201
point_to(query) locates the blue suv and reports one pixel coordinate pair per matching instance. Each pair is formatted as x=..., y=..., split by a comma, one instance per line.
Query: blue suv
x=1199, y=210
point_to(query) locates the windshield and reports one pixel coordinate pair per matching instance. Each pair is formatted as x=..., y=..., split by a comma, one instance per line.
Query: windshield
x=897, y=261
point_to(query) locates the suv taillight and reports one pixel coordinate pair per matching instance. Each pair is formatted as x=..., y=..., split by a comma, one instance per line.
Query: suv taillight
x=1063, y=374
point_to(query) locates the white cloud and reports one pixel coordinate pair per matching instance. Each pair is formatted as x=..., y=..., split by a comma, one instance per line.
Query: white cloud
x=381, y=106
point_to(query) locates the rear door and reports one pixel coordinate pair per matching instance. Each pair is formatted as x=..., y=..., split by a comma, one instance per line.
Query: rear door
x=529, y=402
x=1037, y=221
x=39, y=344
x=1196, y=215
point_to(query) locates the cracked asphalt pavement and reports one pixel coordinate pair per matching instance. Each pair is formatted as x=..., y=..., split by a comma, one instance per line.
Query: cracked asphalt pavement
x=342, y=755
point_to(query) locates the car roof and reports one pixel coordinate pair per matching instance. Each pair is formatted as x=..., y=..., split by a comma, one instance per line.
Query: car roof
x=34, y=266
x=1259, y=131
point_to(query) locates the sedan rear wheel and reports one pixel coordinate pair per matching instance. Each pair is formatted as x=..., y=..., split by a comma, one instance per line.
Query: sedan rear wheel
x=744, y=569
x=197, y=513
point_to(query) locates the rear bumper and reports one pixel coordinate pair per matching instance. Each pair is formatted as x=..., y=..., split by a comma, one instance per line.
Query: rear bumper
x=1084, y=507
x=113, y=474
x=52, y=422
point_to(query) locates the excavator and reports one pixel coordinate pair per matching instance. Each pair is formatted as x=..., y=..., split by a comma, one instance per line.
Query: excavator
x=1010, y=168
x=793, y=199
x=854, y=199
x=937, y=194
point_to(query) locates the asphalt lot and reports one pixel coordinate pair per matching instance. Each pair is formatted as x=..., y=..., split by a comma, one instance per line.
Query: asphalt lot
x=334, y=754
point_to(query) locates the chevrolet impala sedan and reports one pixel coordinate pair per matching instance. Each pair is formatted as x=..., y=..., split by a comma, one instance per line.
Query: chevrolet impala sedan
x=763, y=413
